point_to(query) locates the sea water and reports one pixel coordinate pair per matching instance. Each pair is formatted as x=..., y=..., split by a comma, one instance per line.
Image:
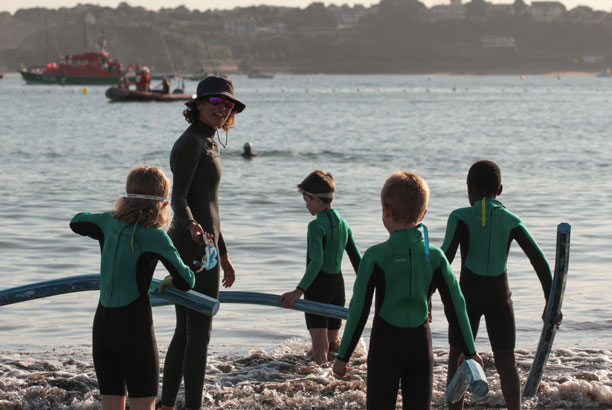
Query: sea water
x=67, y=149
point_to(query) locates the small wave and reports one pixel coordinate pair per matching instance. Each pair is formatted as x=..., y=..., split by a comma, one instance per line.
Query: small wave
x=288, y=379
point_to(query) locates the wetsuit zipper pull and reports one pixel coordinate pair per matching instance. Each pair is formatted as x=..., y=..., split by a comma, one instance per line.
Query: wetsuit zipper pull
x=410, y=256
x=426, y=237
x=484, y=212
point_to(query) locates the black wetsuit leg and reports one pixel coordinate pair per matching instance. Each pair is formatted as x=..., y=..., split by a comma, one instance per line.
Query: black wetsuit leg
x=399, y=355
x=489, y=296
x=188, y=350
x=326, y=288
x=125, y=350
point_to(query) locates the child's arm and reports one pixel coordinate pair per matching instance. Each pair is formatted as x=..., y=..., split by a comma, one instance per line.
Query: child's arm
x=352, y=251
x=454, y=305
x=359, y=308
x=289, y=298
x=87, y=224
x=315, y=255
x=340, y=367
x=456, y=233
x=182, y=277
x=315, y=261
x=535, y=255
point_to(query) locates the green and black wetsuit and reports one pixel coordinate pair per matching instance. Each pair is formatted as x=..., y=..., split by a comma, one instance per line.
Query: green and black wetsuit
x=400, y=343
x=484, y=245
x=196, y=172
x=124, y=347
x=329, y=235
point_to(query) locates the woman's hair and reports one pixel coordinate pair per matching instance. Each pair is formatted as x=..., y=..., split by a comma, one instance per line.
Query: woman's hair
x=407, y=195
x=191, y=114
x=144, y=180
x=319, y=182
x=485, y=177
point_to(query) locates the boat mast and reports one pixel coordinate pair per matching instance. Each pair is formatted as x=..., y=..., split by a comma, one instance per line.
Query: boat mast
x=47, y=38
x=84, y=35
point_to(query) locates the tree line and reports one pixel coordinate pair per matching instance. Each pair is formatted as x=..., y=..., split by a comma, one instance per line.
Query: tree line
x=394, y=36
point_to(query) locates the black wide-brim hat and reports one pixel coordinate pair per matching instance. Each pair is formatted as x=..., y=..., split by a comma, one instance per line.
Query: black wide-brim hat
x=213, y=85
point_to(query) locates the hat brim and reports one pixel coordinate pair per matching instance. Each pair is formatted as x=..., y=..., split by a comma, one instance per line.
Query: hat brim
x=239, y=107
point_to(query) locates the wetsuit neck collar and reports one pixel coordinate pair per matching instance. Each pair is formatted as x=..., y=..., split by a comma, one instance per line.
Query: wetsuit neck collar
x=412, y=236
x=206, y=129
x=489, y=201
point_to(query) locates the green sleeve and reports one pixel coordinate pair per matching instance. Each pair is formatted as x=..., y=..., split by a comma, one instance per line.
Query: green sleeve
x=315, y=255
x=88, y=217
x=182, y=277
x=89, y=224
x=451, y=228
x=359, y=308
x=536, y=257
x=454, y=305
x=352, y=251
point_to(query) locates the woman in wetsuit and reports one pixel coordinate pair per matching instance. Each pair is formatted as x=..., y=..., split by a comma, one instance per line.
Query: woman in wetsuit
x=196, y=169
x=124, y=348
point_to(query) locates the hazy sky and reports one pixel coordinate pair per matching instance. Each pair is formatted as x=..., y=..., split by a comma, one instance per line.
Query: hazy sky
x=13, y=5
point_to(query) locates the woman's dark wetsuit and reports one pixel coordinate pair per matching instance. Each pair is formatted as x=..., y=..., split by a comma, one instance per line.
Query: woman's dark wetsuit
x=124, y=348
x=329, y=235
x=484, y=244
x=400, y=343
x=196, y=169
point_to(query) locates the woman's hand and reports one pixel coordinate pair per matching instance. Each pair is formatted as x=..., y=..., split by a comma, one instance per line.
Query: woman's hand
x=229, y=274
x=289, y=298
x=195, y=230
x=340, y=368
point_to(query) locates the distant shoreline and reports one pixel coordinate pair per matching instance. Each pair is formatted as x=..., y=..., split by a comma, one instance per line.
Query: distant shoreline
x=432, y=73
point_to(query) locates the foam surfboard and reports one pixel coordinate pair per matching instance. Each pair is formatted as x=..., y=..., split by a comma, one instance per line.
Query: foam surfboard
x=268, y=299
x=471, y=374
x=192, y=300
x=552, y=311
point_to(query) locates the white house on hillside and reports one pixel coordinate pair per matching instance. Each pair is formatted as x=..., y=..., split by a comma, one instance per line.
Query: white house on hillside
x=546, y=10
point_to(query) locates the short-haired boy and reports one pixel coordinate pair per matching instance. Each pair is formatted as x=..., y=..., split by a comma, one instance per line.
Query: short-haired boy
x=484, y=232
x=329, y=235
x=404, y=270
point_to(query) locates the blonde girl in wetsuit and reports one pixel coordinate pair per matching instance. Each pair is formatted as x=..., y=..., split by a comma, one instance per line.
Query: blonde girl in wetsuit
x=132, y=242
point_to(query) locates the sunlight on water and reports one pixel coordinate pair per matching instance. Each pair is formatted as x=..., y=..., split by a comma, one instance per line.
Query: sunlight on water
x=65, y=152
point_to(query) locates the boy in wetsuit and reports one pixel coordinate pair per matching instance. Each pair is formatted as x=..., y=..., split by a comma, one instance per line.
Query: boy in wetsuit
x=484, y=232
x=404, y=271
x=329, y=235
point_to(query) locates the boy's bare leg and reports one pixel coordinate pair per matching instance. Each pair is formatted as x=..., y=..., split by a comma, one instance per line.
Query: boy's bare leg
x=167, y=408
x=505, y=363
x=320, y=344
x=142, y=403
x=113, y=402
x=333, y=340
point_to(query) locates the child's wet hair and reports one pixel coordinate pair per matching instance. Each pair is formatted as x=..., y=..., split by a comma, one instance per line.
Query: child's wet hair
x=484, y=177
x=406, y=194
x=145, y=180
x=319, y=182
